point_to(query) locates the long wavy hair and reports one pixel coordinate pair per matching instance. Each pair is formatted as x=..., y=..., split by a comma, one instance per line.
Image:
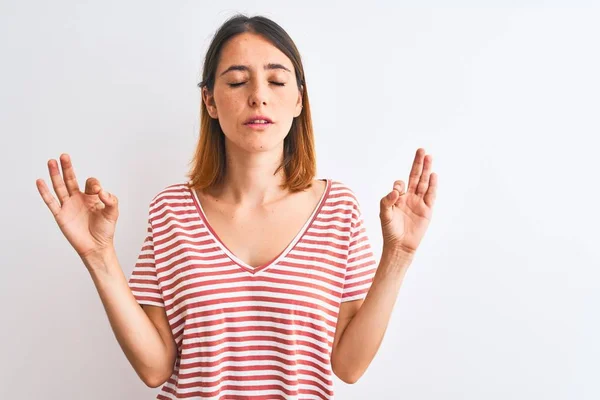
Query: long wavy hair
x=209, y=162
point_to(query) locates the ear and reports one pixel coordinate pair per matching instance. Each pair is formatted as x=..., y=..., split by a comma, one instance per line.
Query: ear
x=298, y=109
x=209, y=101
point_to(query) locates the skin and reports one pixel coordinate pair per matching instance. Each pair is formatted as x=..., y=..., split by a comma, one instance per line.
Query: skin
x=253, y=155
x=249, y=205
x=88, y=218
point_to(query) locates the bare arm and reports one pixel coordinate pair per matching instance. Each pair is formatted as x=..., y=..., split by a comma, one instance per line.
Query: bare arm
x=144, y=334
x=88, y=221
x=405, y=217
x=362, y=325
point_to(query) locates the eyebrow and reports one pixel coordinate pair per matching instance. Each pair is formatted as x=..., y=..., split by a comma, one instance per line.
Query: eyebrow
x=246, y=68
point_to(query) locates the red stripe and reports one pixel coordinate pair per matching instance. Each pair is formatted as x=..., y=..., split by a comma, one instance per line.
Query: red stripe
x=328, y=254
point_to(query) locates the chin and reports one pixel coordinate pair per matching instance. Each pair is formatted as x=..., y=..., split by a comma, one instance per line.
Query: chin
x=258, y=144
x=263, y=146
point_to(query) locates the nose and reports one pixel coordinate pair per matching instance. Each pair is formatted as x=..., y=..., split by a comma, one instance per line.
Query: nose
x=258, y=95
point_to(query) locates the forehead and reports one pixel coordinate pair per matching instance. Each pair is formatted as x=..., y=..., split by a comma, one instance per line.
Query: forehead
x=252, y=50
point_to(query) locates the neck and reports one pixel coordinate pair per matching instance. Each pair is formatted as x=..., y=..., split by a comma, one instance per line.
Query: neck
x=249, y=179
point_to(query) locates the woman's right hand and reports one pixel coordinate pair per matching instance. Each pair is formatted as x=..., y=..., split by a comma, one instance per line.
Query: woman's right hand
x=87, y=219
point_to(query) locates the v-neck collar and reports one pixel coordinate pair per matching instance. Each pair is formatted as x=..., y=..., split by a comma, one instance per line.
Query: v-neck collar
x=246, y=267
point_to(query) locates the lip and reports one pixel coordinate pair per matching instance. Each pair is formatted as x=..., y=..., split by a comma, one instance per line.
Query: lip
x=259, y=127
x=258, y=116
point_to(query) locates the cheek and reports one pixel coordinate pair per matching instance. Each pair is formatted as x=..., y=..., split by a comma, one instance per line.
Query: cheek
x=289, y=94
x=229, y=107
x=226, y=101
x=292, y=97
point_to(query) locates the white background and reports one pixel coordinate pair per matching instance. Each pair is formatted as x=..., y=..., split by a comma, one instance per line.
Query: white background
x=502, y=299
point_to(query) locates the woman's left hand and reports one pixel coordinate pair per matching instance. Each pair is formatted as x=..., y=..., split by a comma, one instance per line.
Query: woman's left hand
x=405, y=215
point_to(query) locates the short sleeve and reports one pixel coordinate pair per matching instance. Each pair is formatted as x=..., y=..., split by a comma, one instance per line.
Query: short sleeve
x=361, y=264
x=143, y=280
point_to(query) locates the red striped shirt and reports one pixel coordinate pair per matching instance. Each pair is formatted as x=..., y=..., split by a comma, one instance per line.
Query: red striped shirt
x=252, y=333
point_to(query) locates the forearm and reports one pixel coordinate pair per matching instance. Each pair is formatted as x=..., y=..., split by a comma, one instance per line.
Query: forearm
x=361, y=340
x=136, y=334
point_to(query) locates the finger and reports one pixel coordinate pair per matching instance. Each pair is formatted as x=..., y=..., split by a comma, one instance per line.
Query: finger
x=399, y=186
x=431, y=194
x=57, y=182
x=47, y=197
x=424, y=181
x=92, y=186
x=111, y=203
x=69, y=174
x=415, y=172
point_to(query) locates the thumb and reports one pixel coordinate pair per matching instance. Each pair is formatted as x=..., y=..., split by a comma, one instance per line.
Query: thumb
x=388, y=200
x=386, y=213
x=111, y=210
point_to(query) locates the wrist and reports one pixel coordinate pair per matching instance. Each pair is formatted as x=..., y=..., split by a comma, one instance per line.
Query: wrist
x=398, y=253
x=394, y=263
x=100, y=260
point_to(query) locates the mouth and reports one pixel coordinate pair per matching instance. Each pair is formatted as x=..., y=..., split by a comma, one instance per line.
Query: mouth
x=258, y=124
x=258, y=120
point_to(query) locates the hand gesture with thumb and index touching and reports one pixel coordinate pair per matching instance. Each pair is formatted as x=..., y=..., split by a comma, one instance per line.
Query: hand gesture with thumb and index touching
x=405, y=215
x=87, y=219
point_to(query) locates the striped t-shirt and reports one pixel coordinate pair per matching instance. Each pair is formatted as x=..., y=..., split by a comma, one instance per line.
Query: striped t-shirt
x=252, y=333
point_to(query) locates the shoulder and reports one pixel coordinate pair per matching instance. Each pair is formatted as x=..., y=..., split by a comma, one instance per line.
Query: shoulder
x=343, y=198
x=176, y=192
x=342, y=192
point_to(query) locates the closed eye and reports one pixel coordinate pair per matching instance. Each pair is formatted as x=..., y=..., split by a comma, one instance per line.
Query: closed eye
x=241, y=83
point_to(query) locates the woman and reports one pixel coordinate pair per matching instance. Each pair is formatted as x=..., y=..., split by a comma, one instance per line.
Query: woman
x=255, y=279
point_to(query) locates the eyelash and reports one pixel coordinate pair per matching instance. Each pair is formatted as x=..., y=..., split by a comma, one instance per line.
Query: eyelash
x=241, y=83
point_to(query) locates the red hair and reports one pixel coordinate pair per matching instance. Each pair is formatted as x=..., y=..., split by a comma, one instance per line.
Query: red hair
x=299, y=161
